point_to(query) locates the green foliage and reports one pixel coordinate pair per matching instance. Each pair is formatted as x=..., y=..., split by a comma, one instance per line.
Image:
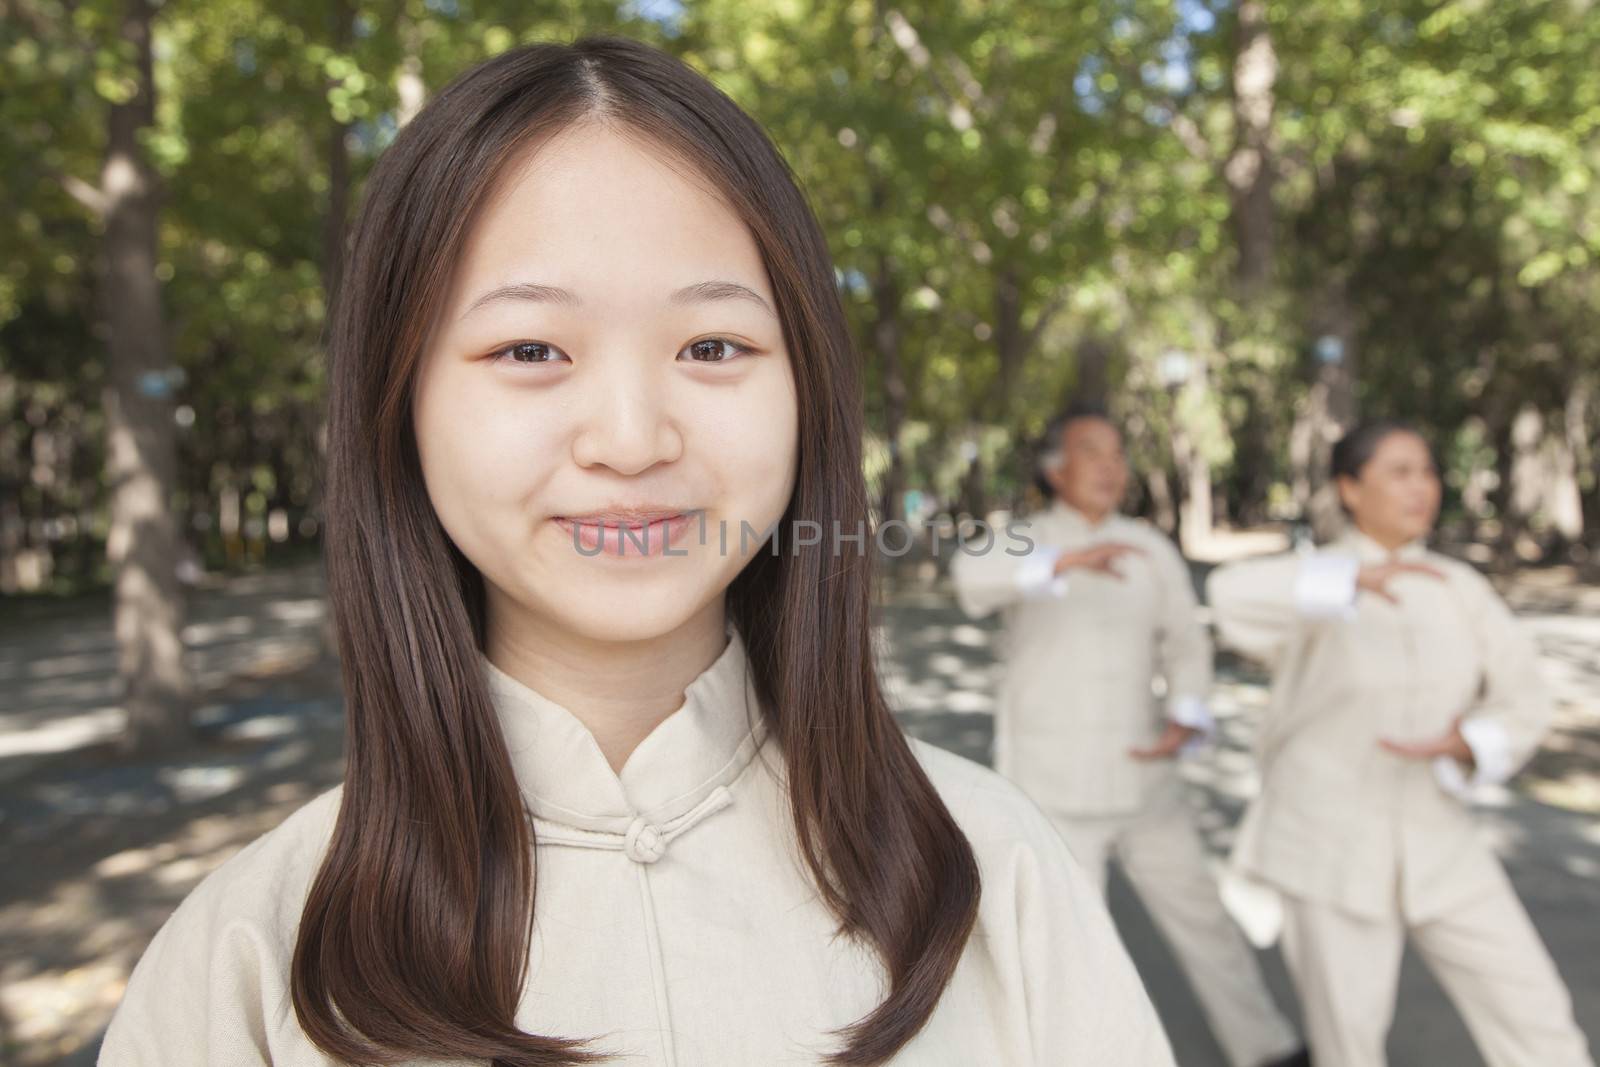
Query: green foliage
x=1002, y=184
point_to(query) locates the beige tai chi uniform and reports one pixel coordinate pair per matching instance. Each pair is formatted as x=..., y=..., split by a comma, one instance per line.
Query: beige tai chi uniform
x=1366, y=847
x=675, y=921
x=1083, y=656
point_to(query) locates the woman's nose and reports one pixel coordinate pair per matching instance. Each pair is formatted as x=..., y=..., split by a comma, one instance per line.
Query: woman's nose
x=627, y=424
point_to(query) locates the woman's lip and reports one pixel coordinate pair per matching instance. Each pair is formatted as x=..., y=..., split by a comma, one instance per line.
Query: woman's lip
x=620, y=520
x=654, y=537
x=636, y=517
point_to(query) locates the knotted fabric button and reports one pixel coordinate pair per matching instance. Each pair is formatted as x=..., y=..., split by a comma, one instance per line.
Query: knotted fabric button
x=643, y=842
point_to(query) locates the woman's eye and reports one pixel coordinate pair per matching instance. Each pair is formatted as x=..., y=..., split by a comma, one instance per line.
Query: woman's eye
x=530, y=352
x=713, y=350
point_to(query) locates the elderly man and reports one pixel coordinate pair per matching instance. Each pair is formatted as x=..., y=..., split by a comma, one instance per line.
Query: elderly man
x=1101, y=613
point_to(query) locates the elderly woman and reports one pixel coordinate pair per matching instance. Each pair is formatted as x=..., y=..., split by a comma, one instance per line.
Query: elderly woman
x=1397, y=674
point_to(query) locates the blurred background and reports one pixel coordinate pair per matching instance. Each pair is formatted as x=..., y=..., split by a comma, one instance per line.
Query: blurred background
x=1241, y=224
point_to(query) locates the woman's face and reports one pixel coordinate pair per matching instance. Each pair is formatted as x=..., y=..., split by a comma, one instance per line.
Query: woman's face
x=1396, y=498
x=609, y=355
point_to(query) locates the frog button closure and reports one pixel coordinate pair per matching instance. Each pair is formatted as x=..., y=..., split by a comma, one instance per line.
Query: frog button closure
x=643, y=842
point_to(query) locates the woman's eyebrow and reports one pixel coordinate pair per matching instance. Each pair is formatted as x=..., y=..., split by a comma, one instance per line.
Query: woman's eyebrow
x=701, y=291
x=525, y=291
x=549, y=294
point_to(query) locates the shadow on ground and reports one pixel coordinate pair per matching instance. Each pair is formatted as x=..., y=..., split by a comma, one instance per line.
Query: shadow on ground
x=97, y=850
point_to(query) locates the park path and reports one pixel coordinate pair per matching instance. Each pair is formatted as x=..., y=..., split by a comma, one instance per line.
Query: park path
x=941, y=671
x=97, y=851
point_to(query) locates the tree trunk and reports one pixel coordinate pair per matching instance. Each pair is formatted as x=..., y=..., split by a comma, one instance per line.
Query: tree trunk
x=974, y=488
x=1569, y=454
x=1163, y=509
x=1527, y=477
x=1092, y=385
x=1249, y=173
x=887, y=338
x=1249, y=170
x=334, y=225
x=1195, y=523
x=1330, y=410
x=1194, y=469
x=1251, y=463
x=143, y=545
x=410, y=88
x=1009, y=342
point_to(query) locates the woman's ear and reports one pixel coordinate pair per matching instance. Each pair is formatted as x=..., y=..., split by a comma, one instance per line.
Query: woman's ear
x=1349, y=490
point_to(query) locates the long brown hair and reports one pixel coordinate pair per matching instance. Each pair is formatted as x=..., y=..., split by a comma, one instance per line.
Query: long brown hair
x=414, y=938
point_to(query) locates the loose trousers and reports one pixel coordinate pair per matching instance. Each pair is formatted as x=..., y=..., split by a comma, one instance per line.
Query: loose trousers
x=1165, y=861
x=1482, y=948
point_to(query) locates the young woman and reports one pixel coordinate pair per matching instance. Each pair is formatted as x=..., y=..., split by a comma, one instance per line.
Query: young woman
x=621, y=782
x=1397, y=672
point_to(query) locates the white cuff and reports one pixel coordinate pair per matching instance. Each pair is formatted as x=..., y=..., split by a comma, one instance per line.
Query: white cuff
x=1325, y=587
x=1192, y=712
x=1036, y=576
x=1491, y=758
x=1451, y=778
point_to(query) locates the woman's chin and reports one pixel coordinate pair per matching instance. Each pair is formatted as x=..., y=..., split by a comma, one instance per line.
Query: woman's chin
x=639, y=608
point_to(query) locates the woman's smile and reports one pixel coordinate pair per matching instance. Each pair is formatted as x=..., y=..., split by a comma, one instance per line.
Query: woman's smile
x=617, y=534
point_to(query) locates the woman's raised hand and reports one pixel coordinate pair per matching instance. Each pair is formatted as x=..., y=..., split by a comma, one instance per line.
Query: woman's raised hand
x=1450, y=743
x=1375, y=577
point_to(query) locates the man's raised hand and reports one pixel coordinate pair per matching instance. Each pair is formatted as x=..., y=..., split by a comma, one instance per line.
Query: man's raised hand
x=1102, y=558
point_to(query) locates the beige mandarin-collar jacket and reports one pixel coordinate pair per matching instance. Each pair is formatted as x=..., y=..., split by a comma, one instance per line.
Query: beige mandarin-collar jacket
x=1340, y=820
x=1083, y=652
x=675, y=922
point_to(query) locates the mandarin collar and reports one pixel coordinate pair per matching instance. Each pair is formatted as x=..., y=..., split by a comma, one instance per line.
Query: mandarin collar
x=676, y=775
x=1072, y=520
x=1367, y=550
